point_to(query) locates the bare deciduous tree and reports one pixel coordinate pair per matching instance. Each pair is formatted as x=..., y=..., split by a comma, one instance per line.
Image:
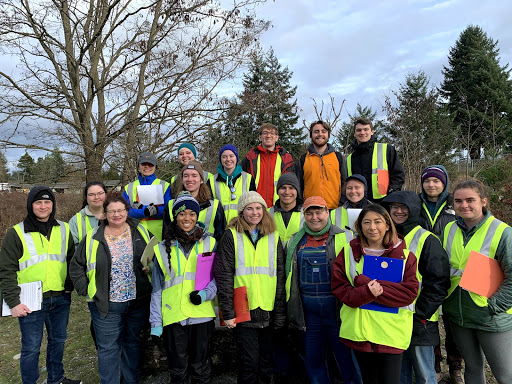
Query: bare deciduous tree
x=105, y=77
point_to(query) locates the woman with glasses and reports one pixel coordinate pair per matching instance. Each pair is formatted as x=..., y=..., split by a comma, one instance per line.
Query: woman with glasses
x=230, y=181
x=91, y=213
x=106, y=269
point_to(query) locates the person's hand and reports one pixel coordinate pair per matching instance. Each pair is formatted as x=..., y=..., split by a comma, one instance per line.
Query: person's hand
x=150, y=210
x=197, y=297
x=137, y=205
x=375, y=288
x=21, y=310
x=230, y=323
x=157, y=331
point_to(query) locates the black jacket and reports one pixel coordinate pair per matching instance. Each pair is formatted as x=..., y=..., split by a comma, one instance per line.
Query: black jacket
x=361, y=160
x=224, y=270
x=78, y=268
x=433, y=266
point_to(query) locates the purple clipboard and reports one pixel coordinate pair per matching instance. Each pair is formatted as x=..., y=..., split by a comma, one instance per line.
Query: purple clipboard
x=204, y=270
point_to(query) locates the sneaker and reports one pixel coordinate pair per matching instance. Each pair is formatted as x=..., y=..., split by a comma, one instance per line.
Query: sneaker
x=456, y=377
x=70, y=381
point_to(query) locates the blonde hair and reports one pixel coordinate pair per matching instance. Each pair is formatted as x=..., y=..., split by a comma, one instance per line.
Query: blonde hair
x=390, y=237
x=265, y=227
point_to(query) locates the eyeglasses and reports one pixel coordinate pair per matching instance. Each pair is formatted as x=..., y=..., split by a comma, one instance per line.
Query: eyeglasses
x=399, y=207
x=268, y=133
x=233, y=195
x=117, y=212
x=99, y=194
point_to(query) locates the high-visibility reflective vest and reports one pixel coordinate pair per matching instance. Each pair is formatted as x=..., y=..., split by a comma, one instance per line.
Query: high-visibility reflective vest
x=339, y=217
x=295, y=223
x=414, y=242
x=340, y=240
x=277, y=174
x=44, y=259
x=83, y=224
x=207, y=176
x=153, y=224
x=222, y=193
x=206, y=215
x=179, y=281
x=91, y=249
x=439, y=211
x=257, y=268
x=380, y=171
x=390, y=329
x=485, y=241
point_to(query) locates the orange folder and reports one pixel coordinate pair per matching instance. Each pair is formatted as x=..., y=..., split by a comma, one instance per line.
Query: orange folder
x=482, y=275
x=241, y=303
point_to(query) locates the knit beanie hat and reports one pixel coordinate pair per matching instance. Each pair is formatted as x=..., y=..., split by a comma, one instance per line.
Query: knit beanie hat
x=194, y=164
x=44, y=194
x=184, y=201
x=230, y=147
x=189, y=146
x=289, y=179
x=249, y=197
x=358, y=177
x=434, y=171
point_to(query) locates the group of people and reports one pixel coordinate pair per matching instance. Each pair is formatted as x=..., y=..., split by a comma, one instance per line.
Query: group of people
x=281, y=232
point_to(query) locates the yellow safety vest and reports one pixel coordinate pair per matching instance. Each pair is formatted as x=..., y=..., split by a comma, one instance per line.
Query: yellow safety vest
x=485, y=241
x=339, y=217
x=206, y=215
x=390, y=329
x=153, y=224
x=340, y=240
x=439, y=211
x=380, y=171
x=277, y=174
x=414, y=242
x=83, y=224
x=295, y=223
x=44, y=260
x=179, y=281
x=91, y=249
x=222, y=193
x=257, y=269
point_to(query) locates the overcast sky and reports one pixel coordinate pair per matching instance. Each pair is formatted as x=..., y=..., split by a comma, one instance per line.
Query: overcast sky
x=358, y=50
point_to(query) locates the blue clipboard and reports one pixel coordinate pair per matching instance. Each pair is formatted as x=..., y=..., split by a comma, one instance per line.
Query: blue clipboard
x=383, y=268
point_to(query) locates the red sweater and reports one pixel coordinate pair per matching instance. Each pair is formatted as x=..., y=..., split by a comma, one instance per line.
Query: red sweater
x=394, y=294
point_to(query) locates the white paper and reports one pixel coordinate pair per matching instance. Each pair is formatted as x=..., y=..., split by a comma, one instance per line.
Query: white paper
x=151, y=194
x=147, y=255
x=31, y=295
x=353, y=214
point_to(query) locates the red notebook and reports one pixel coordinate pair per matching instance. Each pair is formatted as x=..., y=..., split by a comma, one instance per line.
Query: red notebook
x=482, y=275
x=241, y=303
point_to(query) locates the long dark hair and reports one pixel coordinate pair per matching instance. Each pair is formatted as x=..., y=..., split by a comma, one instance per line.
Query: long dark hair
x=89, y=185
x=391, y=236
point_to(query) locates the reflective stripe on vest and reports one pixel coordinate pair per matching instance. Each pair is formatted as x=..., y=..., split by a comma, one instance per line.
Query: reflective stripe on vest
x=91, y=249
x=83, y=224
x=391, y=329
x=277, y=174
x=222, y=193
x=339, y=217
x=179, y=283
x=295, y=223
x=414, y=241
x=485, y=241
x=44, y=259
x=256, y=268
x=380, y=171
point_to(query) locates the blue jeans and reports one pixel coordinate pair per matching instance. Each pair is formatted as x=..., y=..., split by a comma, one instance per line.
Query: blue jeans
x=118, y=339
x=54, y=314
x=322, y=330
x=421, y=359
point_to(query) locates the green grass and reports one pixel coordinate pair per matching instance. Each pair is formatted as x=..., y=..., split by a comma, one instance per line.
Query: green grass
x=80, y=359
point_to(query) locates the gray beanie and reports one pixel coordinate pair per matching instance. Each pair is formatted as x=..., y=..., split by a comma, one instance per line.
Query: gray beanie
x=290, y=179
x=249, y=197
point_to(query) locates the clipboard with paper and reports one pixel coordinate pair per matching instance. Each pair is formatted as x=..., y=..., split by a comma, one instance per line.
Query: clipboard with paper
x=148, y=194
x=204, y=270
x=383, y=268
